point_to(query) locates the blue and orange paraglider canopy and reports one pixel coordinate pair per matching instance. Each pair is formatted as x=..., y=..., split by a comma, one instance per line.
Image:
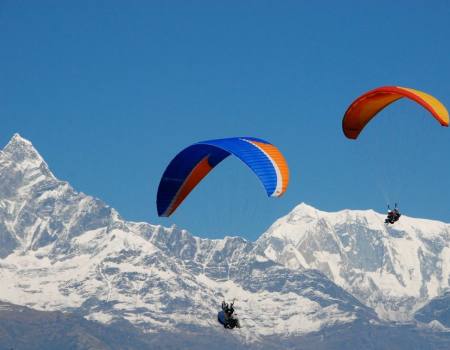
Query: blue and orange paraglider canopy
x=193, y=163
x=365, y=107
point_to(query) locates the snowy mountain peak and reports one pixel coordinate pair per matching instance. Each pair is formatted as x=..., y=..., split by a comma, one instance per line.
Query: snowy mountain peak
x=20, y=155
x=21, y=149
x=392, y=268
x=305, y=210
x=17, y=138
x=37, y=209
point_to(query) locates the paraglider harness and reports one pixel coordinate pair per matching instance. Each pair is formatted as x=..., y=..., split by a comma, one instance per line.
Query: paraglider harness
x=392, y=215
x=230, y=320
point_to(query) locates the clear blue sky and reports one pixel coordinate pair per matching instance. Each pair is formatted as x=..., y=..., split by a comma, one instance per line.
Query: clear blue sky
x=110, y=91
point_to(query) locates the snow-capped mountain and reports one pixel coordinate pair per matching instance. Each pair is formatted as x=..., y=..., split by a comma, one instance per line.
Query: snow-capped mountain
x=64, y=250
x=36, y=209
x=312, y=271
x=393, y=269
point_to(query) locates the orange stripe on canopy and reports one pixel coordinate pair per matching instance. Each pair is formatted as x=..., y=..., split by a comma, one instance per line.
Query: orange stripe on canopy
x=197, y=174
x=280, y=162
x=365, y=107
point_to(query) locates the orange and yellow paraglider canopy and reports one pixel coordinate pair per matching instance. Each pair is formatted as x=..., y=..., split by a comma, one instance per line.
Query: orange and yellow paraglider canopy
x=365, y=107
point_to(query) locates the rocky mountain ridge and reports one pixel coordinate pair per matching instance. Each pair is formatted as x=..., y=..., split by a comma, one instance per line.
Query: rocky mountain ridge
x=311, y=271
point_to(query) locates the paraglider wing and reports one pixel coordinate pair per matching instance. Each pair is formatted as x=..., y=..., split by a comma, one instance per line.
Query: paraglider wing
x=365, y=107
x=192, y=164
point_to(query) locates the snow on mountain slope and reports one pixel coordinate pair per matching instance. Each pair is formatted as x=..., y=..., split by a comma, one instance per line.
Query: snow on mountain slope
x=64, y=250
x=36, y=208
x=394, y=269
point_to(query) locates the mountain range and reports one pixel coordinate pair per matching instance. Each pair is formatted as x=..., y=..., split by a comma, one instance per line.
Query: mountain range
x=314, y=280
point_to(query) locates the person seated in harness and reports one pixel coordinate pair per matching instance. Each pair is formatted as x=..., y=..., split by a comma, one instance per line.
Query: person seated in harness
x=230, y=320
x=396, y=214
x=393, y=215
